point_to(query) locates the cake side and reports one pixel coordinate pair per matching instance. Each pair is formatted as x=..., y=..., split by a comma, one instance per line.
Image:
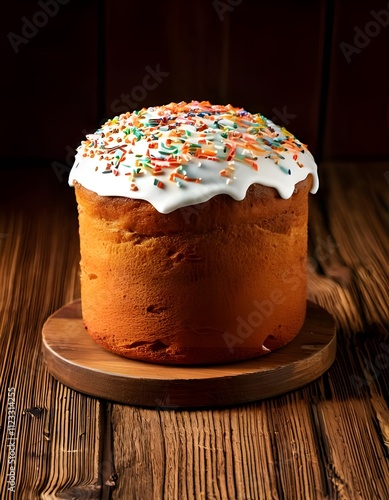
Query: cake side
x=216, y=282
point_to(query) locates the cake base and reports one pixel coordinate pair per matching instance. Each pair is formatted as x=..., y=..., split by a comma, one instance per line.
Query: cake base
x=74, y=359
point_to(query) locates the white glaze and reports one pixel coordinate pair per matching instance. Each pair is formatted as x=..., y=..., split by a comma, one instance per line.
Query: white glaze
x=92, y=160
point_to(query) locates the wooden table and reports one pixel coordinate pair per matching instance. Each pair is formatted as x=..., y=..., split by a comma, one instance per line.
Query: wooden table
x=326, y=440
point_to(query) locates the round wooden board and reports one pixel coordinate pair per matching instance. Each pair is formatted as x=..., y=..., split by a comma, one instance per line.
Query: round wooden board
x=77, y=361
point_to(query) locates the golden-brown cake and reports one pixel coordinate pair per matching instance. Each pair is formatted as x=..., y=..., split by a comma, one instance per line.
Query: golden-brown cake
x=193, y=234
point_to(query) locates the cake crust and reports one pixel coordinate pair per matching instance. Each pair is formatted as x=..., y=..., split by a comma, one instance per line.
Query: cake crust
x=216, y=282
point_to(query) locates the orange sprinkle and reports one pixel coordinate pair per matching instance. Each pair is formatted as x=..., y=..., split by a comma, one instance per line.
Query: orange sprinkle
x=231, y=154
x=176, y=174
x=191, y=179
x=206, y=157
x=251, y=162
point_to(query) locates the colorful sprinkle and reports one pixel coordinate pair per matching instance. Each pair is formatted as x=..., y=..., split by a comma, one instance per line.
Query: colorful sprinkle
x=285, y=170
x=158, y=183
x=162, y=141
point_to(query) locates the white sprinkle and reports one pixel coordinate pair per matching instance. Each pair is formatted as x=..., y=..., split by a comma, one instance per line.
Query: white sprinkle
x=199, y=164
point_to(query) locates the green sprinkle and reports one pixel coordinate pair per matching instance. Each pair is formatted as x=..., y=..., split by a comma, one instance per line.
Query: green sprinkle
x=171, y=149
x=285, y=170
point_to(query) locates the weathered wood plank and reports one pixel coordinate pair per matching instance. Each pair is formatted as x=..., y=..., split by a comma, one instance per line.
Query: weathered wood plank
x=319, y=442
x=327, y=440
x=57, y=429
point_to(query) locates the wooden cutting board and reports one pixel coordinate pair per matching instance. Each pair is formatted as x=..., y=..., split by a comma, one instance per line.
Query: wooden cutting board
x=77, y=361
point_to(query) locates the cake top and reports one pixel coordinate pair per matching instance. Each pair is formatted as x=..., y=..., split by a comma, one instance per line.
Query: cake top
x=185, y=153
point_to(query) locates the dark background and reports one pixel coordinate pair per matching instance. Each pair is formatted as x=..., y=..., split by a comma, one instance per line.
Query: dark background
x=65, y=71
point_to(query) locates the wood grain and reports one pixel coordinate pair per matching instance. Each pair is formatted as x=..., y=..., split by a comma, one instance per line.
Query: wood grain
x=320, y=442
x=328, y=440
x=74, y=359
x=57, y=429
